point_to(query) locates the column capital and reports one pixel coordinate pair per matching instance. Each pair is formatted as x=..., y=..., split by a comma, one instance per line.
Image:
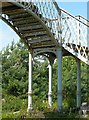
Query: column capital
x=51, y=59
x=31, y=55
x=59, y=49
x=31, y=50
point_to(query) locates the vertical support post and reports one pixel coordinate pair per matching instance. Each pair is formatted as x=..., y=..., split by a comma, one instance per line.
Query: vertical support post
x=88, y=24
x=59, y=55
x=78, y=84
x=30, y=82
x=50, y=85
x=78, y=32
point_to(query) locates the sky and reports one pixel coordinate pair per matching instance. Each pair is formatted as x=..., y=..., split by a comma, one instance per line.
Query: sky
x=7, y=35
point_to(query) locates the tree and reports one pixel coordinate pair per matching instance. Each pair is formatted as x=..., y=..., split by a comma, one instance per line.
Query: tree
x=15, y=75
x=15, y=69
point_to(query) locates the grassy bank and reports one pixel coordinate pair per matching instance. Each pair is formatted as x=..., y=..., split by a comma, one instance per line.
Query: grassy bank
x=16, y=107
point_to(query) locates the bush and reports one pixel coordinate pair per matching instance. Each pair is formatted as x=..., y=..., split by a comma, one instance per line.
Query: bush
x=65, y=104
x=12, y=104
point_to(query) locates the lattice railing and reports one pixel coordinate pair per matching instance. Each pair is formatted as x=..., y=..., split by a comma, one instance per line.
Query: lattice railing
x=64, y=26
x=47, y=11
x=49, y=14
x=74, y=29
x=44, y=9
x=85, y=30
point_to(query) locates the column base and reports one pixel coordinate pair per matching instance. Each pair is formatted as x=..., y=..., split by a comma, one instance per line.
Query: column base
x=50, y=99
x=60, y=100
x=30, y=101
x=29, y=109
x=59, y=109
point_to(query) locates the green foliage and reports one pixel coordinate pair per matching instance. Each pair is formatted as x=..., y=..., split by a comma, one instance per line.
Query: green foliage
x=12, y=103
x=15, y=69
x=15, y=80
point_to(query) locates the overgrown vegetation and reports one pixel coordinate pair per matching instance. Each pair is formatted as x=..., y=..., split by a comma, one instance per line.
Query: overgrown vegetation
x=15, y=83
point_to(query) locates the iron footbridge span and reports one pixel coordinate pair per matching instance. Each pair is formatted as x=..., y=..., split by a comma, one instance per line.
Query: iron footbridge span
x=46, y=29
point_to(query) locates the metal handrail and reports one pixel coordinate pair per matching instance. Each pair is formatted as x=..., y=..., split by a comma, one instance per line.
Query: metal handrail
x=82, y=17
x=61, y=9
